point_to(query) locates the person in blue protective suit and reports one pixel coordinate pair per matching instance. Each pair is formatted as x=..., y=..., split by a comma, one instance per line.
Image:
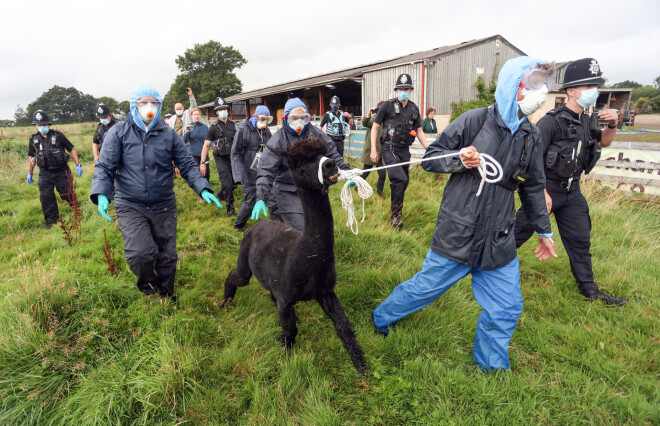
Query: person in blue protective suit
x=249, y=143
x=473, y=235
x=274, y=182
x=138, y=156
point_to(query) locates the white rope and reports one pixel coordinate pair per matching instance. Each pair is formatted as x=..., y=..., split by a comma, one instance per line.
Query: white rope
x=489, y=169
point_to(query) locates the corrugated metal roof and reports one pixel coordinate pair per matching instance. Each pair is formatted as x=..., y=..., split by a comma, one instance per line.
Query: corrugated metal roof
x=356, y=72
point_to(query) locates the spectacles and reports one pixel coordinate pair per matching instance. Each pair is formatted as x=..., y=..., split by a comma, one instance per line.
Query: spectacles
x=304, y=117
x=266, y=118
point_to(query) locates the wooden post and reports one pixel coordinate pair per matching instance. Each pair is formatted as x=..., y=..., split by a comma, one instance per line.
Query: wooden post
x=321, y=103
x=231, y=112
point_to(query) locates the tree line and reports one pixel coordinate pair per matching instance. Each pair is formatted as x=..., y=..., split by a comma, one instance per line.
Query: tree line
x=208, y=69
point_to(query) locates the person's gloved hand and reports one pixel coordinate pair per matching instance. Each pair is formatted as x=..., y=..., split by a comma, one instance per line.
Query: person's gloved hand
x=209, y=197
x=259, y=207
x=79, y=170
x=103, y=206
x=29, y=178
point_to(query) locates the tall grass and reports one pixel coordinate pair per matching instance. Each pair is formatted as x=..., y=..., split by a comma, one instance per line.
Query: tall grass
x=79, y=346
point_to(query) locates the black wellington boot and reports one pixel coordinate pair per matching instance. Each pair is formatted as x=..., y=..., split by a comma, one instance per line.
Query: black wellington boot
x=596, y=294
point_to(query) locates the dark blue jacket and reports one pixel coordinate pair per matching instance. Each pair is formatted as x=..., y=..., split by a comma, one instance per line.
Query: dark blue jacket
x=247, y=142
x=473, y=230
x=140, y=164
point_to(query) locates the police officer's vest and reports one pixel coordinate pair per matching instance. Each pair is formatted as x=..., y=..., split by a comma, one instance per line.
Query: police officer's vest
x=336, y=127
x=397, y=127
x=567, y=157
x=102, y=131
x=222, y=140
x=50, y=153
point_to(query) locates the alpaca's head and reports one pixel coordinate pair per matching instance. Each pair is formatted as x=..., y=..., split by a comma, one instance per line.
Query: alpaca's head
x=303, y=159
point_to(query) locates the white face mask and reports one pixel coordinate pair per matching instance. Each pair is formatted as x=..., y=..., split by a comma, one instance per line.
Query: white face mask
x=148, y=112
x=533, y=100
x=261, y=124
x=179, y=112
x=223, y=114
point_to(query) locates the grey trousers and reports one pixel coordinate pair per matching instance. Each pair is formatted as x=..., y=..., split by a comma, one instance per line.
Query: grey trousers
x=150, y=247
x=249, y=200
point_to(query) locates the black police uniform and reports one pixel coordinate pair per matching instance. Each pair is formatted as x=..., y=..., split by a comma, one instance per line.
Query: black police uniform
x=221, y=135
x=563, y=132
x=397, y=121
x=101, y=130
x=52, y=159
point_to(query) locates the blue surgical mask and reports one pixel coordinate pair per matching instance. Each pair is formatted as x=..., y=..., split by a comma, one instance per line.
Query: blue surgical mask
x=43, y=129
x=403, y=96
x=223, y=114
x=335, y=109
x=587, y=97
x=105, y=121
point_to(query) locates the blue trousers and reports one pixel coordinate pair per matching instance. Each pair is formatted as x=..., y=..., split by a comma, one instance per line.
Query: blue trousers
x=497, y=292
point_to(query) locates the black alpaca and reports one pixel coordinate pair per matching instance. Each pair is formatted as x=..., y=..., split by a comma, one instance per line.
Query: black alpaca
x=294, y=265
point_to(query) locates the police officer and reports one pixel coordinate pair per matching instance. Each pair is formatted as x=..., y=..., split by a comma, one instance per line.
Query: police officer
x=336, y=124
x=107, y=121
x=221, y=135
x=47, y=149
x=401, y=122
x=249, y=144
x=571, y=146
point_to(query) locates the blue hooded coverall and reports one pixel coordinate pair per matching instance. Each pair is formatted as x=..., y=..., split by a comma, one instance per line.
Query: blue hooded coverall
x=474, y=235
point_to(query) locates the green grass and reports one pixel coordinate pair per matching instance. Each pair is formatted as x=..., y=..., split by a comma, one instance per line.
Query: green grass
x=78, y=346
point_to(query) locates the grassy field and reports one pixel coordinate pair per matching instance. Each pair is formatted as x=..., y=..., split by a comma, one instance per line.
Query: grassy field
x=78, y=346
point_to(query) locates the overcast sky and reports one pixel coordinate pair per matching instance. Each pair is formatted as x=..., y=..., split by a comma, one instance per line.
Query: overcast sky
x=106, y=48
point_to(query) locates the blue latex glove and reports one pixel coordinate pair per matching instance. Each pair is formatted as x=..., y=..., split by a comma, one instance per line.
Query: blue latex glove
x=29, y=179
x=351, y=184
x=260, y=207
x=103, y=206
x=209, y=197
x=79, y=170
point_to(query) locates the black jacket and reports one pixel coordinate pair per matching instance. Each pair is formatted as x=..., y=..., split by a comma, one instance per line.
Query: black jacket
x=247, y=142
x=140, y=164
x=473, y=229
x=274, y=181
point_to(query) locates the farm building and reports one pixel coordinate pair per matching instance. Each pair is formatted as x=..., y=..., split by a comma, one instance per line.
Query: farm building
x=440, y=76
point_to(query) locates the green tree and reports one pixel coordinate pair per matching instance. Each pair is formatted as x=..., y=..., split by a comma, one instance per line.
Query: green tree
x=647, y=91
x=6, y=123
x=627, y=84
x=656, y=82
x=21, y=117
x=208, y=69
x=65, y=105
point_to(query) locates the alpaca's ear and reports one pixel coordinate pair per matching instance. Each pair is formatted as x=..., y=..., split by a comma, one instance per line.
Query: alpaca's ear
x=280, y=153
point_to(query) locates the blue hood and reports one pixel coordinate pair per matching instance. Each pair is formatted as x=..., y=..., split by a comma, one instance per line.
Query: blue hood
x=506, y=92
x=290, y=105
x=261, y=110
x=140, y=91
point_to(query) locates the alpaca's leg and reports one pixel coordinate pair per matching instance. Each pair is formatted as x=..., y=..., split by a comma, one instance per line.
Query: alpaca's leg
x=333, y=309
x=239, y=276
x=287, y=313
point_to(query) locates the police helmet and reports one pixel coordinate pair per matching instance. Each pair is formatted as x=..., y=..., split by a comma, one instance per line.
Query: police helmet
x=404, y=82
x=583, y=72
x=102, y=110
x=219, y=103
x=335, y=101
x=40, y=117
x=168, y=115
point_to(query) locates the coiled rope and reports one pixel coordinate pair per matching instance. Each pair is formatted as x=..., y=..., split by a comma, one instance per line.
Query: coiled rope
x=489, y=169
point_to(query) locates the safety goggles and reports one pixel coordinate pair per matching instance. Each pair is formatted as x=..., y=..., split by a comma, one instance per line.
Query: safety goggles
x=295, y=117
x=147, y=100
x=539, y=75
x=265, y=118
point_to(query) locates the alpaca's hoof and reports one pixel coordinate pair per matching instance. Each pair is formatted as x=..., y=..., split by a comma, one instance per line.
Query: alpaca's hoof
x=287, y=344
x=227, y=302
x=362, y=369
